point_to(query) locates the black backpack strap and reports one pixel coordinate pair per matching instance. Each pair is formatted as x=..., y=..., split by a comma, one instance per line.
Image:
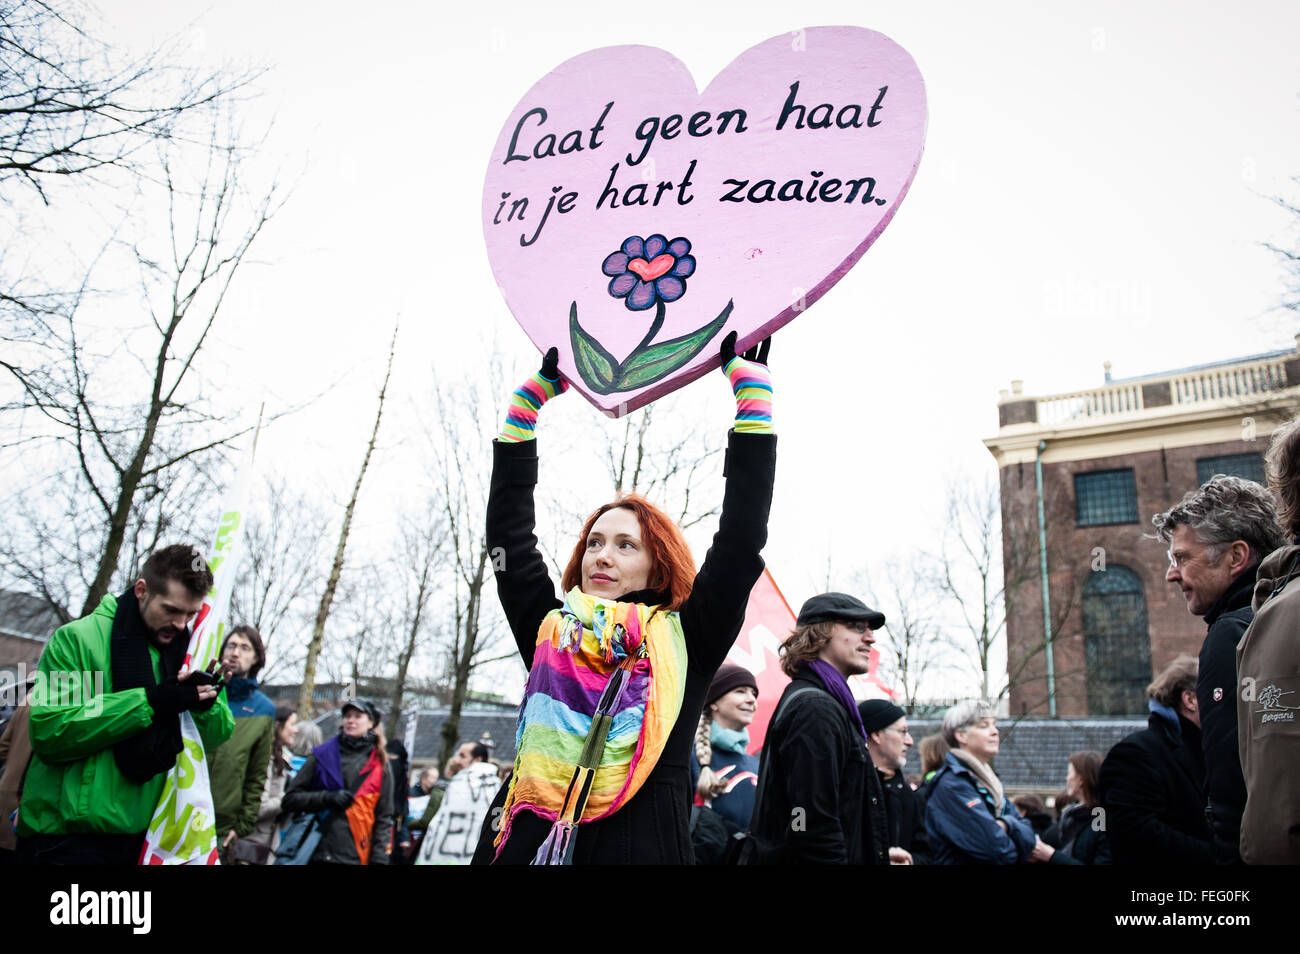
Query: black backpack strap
x=764, y=776
x=1280, y=585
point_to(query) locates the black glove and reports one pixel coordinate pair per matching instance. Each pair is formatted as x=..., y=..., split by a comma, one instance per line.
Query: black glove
x=551, y=365
x=757, y=353
x=171, y=698
x=339, y=799
x=216, y=676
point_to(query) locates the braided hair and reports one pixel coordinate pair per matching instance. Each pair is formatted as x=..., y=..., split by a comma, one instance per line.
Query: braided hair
x=709, y=785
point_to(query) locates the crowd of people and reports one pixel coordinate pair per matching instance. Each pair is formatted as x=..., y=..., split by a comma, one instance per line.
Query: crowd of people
x=633, y=743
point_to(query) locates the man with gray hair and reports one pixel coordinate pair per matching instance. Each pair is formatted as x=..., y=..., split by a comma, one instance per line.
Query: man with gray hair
x=1217, y=536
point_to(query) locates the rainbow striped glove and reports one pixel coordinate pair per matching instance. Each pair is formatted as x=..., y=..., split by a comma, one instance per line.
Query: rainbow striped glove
x=751, y=382
x=521, y=415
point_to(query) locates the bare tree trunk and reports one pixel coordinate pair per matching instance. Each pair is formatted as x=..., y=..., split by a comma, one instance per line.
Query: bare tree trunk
x=336, y=569
x=129, y=481
x=465, y=660
x=423, y=587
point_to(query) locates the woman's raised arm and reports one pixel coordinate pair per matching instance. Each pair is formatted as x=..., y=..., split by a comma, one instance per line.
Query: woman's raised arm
x=523, y=585
x=715, y=610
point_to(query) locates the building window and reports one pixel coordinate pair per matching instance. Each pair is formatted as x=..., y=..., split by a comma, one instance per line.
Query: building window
x=1117, y=648
x=1107, y=496
x=1249, y=466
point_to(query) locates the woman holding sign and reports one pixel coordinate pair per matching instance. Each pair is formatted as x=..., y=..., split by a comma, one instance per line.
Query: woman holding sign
x=619, y=669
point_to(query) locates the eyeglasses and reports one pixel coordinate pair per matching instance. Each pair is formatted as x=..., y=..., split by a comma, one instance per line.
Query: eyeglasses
x=1181, y=558
x=857, y=625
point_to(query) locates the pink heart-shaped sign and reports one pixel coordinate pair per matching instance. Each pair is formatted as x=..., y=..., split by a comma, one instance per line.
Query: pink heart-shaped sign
x=632, y=221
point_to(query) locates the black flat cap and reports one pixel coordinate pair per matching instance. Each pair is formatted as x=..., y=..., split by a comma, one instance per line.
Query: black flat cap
x=831, y=607
x=362, y=704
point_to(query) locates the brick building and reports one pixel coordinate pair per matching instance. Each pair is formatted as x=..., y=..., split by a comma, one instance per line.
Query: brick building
x=1099, y=464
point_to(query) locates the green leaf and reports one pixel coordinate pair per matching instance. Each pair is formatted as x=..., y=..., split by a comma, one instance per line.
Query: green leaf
x=596, y=365
x=655, y=363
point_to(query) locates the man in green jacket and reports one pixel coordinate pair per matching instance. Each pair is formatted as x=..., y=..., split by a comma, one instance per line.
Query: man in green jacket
x=105, y=717
x=238, y=768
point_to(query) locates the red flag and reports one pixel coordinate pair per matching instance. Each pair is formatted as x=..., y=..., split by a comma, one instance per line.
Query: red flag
x=769, y=621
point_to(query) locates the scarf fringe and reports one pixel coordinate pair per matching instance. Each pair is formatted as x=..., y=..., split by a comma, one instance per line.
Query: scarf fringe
x=557, y=849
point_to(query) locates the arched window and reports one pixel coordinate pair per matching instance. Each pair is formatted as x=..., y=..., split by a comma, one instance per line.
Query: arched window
x=1116, y=645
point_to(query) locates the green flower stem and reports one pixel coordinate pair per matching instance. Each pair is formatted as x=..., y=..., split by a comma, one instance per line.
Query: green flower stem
x=647, y=364
x=654, y=327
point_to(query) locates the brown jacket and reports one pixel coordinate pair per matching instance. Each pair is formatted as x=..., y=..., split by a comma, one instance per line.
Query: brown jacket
x=15, y=753
x=1268, y=714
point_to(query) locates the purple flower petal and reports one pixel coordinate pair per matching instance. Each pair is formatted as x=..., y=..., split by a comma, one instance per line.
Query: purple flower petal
x=616, y=264
x=634, y=247
x=654, y=247
x=670, y=288
x=679, y=247
x=684, y=268
x=623, y=284
x=642, y=297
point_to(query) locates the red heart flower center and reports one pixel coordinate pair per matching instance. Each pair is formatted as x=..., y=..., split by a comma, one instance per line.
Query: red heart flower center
x=651, y=270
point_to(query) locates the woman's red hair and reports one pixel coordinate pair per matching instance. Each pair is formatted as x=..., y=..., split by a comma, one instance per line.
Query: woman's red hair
x=672, y=569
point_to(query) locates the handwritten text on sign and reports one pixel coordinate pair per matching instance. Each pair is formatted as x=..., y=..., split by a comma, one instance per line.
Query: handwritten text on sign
x=631, y=219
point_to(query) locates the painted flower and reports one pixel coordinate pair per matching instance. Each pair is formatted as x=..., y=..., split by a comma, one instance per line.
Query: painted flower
x=644, y=271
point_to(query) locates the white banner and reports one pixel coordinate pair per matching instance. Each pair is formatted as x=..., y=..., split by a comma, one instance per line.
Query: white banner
x=183, y=827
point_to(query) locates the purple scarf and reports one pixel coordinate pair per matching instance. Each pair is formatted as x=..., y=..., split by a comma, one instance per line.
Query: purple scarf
x=838, y=687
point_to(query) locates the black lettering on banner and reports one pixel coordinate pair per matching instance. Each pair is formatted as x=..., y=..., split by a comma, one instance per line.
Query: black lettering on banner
x=734, y=194
x=546, y=214
x=697, y=120
x=548, y=145
x=549, y=150
x=572, y=142
x=646, y=138
x=724, y=117
x=875, y=107
x=600, y=124
x=511, y=155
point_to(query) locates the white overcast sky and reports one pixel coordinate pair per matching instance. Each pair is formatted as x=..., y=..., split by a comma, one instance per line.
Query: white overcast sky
x=1093, y=188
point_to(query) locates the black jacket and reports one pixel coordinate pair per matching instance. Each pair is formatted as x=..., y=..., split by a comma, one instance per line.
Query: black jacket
x=1081, y=840
x=653, y=826
x=1225, y=789
x=820, y=800
x=1152, y=786
x=905, y=817
x=337, y=845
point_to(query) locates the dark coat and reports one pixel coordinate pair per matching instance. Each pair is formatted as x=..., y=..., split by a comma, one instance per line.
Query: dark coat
x=815, y=760
x=1152, y=788
x=962, y=827
x=653, y=826
x=1225, y=788
x=1079, y=841
x=905, y=814
x=736, y=806
x=337, y=845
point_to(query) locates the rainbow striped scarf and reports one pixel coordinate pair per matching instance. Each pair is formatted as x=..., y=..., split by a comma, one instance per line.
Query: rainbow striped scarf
x=604, y=693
